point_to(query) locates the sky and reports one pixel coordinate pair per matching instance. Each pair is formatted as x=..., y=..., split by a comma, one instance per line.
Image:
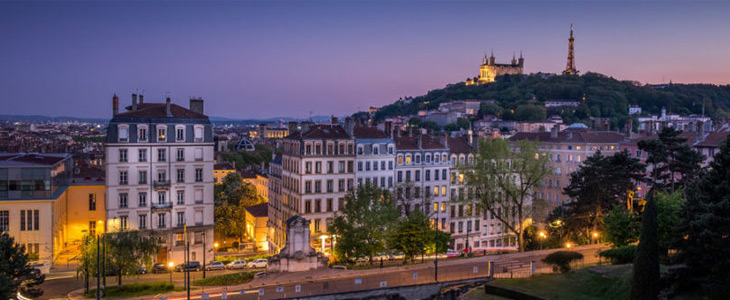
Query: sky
x=254, y=59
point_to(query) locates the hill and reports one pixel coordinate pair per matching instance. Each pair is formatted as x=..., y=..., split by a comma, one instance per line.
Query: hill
x=604, y=97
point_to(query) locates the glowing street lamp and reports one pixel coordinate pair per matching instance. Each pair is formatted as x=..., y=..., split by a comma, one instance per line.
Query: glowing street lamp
x=542, y=237
x=170, y=264
x=568, y=245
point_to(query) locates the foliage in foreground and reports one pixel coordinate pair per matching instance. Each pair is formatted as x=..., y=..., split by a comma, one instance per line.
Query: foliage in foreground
x=645, y=282
x=136, y=289
x=15, y=273
x=228, y=279
x=621, y=255
x=561, y=260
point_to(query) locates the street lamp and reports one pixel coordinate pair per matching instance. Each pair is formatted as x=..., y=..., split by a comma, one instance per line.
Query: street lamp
x=568, y=245
x=542, y=236
x=170, y=264
x=595, y=237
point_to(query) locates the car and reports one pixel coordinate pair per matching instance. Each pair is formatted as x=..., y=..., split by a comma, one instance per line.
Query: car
x=160, y=268
x=398, y=255
x=339, y=267
x=141, y=270
x=191, y=266
x=258, y=263
x=381, y=256
x=216, y=265
x=362, y=259
x=452, y=253
x=239, y=264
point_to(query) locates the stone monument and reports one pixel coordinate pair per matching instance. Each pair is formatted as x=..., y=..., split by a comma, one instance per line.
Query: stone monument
x=297, y=255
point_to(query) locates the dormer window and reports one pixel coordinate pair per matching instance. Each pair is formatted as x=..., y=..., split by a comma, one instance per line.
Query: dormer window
x=375, y=149
x=161, y=134
x=180, y=133
x=198, y=133
x=123, y=133
x=141, y=133
x=408, y=159
x=359, y=150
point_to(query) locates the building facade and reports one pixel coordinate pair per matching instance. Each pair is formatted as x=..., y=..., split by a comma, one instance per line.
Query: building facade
x=159, y=171
x=318, y=169
x=375, y=157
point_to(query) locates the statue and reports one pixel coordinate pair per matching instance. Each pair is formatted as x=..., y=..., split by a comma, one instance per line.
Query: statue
x=297, y=255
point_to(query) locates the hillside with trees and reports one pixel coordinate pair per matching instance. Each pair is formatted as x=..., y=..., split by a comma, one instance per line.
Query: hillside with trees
x=604, y=97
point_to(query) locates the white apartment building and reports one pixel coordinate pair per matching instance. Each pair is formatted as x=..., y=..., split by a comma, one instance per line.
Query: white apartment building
x=374, y=158
x=159, y=171
x=422, y=176
x=318, y=169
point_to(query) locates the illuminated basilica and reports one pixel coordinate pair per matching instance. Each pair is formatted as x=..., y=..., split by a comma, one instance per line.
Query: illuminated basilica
x=489, y=70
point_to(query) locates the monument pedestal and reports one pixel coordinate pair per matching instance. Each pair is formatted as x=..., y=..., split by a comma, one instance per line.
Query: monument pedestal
x=297, y=255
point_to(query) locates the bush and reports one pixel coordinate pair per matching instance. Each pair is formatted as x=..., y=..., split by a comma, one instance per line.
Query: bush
x=561, y=260
x=620, y=255
x=136, y=290
x=228, y=279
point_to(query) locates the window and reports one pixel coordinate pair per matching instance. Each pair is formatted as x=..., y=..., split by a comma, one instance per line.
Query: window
x=142, y=177
x=92, y=202
x=161, y=134
x=428, y=175
x=308, y=206
x=142, y=155
x=123, y=220
x=418, y=159
x=308, y=167
x=122, y=177
x=142, y=134
x=198, y=133
x=4, y=220
x=400, y=176
x=341, y=185
x=443, y=174
x=180, y=134
x=329, y=204
x=418, y=175
x=160, y=220
x=142, y=199
x=408, y=159
x=359, y=166
x=92, y=228
x=390, y=165
x=179, y=239
x=142, y=221
x=161, y=155
x=318, y=167
x=180, y=219
x=317, y=205
x=162, y=175
x=198, y=175
x=408, y=176
x=180, y=175
x=122, y=155
x=198, y=154
x=308, y=187
x=318, y=186
x=180, y=154
x=22, y=220
x=435, y=190
x=161, y=198
x=330, y=186
x=123, y=133
x=180, y=197
x=367, y=166
x=400, y=159
x=122, y=200
x=317, y=225
x=330, y=167
x=436, y=175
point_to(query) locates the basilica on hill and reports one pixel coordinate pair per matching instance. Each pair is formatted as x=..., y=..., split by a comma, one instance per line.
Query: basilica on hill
x=489, y=70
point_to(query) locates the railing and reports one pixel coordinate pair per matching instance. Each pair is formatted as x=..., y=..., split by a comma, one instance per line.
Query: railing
x=165, y=205
x=161, y=183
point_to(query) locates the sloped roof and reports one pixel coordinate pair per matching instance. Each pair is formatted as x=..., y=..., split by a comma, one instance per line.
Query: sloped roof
x=223, y=166
x=259, y=210
x=411, y=143
x=30, y=159
x=459, y=145
x=159, y=110
x=362, y=132
x=320, y=132
x=713, y=139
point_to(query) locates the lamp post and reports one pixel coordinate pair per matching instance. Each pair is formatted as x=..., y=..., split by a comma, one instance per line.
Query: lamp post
x=204, y=250
x=595, y=237
x=170, y=264
x=542, y=237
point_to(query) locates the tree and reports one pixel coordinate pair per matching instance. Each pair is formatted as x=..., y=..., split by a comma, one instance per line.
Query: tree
x=671, y=158
x=561, y=260
x=361, y=225
x=411, y=235
x=622, y=227
x=503, y=180
x=530, y=113
x=231, y=197
x=645, y=282
x=129, y=250
x=230, y=220
x=489, y=109
x=669, y=214
x=706, y=228
x=15, y=273
x=599, y=184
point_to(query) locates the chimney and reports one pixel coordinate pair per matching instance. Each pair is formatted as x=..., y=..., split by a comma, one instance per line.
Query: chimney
x=141, y=98
x=292, y=126
x=335, y=121
x=134, y=102
x=350, y=125
x=388, y=128
x=629, y=128
x=554, y=131
x=115, y=105
x=196, y=105
x=167, y=107
x=445, y=139
x=306, y=125
x=419, y=140
x=701, y=130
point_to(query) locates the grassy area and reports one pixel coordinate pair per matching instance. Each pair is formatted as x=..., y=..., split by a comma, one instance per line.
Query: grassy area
x=228, y=279
x=136, y=290
x=604, y=282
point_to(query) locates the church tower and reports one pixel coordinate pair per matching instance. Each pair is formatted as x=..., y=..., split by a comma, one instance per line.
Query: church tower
x=570, y=68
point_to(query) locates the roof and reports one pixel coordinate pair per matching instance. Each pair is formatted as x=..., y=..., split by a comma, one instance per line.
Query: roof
x=459, y=145
x=247, y=174
x=259, y=210
x=31, y=159
x=411, y=143
x=320, y=132
x=588, y=137
x=713, y=140
x=223, y=166
x=158, y=110
x=361, y=132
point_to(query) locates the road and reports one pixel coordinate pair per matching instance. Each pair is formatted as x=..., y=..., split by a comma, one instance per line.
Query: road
x=328, y=281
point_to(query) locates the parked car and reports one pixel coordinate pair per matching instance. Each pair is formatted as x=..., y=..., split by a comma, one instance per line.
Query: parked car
x=382, y=256
x=141, y=270
x=191, y=266
x=362, y=259
x=452, y=253
x=258, y=263
x=216, y=265
x=160, y=268
x=398, y=255
x=239, y=264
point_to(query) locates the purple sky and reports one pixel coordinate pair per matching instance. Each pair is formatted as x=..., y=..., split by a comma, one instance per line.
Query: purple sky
x=266, y=59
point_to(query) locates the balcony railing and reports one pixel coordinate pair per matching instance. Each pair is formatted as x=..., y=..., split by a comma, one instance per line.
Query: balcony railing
x=165, y=205
x=161, y=183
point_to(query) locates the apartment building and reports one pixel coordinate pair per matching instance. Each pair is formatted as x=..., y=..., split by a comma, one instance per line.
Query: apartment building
x=277, y=215
x=159, y=171
x=318, y=169
x=374, y=158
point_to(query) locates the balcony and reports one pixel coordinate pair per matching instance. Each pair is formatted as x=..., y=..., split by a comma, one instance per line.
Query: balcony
x=161, y=184
x=164, y=205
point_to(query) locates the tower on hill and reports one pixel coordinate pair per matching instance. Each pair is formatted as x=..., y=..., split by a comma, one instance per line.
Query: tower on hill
x=489, y=70
x=570, y=67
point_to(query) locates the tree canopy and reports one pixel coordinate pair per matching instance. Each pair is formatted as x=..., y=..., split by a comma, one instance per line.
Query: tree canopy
x=15, y=273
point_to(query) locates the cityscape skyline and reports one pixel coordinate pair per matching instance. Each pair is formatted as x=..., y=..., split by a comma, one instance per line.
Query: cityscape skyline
x=282, y=59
